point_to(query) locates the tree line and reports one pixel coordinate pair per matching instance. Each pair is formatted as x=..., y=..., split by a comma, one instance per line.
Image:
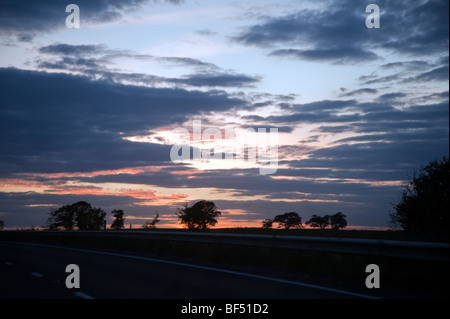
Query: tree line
x=293, y=220
x=424, y=207
x=199, y=216
x=82, y=216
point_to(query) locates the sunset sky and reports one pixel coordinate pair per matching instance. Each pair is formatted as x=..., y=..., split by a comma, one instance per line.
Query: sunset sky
x=90, y=113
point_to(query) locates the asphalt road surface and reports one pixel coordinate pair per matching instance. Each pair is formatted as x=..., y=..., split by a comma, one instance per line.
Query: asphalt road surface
x=38, y=271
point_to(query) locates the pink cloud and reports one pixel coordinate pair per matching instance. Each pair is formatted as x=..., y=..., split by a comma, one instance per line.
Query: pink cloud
x=130, y=171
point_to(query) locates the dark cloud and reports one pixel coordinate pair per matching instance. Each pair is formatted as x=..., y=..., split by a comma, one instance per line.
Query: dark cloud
x=335, y=128
x=359, y=91
x=391, y=97
x=325, y=105
x=314, y=112
x=28, y=18
x=60, y=122
x=208, y=80
x=281, y=129
x=312, y=118
x=95, y=60
x=411, y=72
x=364, y=78
x=105, y=55
x=397, y=160
x=410, y=65
x=374, y=79
x=253, y=118
x=421, y=127
x=218, y=80
x=437, y=74
x=74, y=64
x=341, y=55
x=76, y=50
x=420, y=28
x=187, y=62
x=337, y=33
x=430, y=98
x=334, y=35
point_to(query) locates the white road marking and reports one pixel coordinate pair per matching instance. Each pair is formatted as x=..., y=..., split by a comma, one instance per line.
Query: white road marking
x=284, y=281
x=82, y=295
x=36, y=274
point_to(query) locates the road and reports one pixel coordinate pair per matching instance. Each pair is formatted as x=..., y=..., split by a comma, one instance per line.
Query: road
x=38, y=271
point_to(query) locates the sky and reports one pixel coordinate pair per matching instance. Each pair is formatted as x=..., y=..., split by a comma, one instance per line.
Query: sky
x=141, y=107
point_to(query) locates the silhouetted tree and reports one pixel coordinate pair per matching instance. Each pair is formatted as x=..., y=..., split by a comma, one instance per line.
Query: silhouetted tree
x=2, y=224
x=321, y=222
x=424, y=206
x=81, y=215
x=63, y=217
x=119, y=220
x=201, y=215
x=151, y=225
x=88, y=217
x=267, y=223
x=289, y=220
x=338, y=221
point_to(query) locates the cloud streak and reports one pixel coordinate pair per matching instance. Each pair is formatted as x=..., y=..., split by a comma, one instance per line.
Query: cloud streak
x=94, y=60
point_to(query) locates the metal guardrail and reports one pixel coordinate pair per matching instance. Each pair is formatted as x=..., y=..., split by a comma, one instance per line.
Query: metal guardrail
x=370, y=247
